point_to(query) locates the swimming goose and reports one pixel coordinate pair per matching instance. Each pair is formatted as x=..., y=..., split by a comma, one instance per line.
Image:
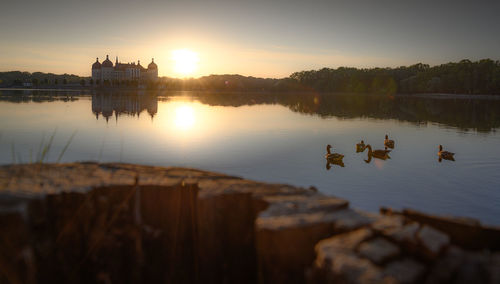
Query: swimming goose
x=360, y=147
x=332, y=156
x=388, y=143
x=379, y=154
x=445, y=154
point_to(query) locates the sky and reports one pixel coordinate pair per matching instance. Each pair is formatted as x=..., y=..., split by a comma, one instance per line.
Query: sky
x=252, y=38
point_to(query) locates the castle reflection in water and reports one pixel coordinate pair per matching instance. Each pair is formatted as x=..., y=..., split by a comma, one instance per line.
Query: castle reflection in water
x=465, y=113
x=107, y=105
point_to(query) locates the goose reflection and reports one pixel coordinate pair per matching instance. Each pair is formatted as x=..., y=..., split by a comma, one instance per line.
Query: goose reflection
x=388, y=142
x=334, y=162
x=445, y=155
x=378, y=154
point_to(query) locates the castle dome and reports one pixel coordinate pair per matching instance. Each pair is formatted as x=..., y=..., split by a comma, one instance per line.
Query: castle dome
x=96, y=64
x=107, y=62
x=152, y=65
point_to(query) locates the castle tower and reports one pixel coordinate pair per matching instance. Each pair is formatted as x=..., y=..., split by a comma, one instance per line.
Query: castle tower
x=96, y=70
x=152, y=70
x=107, y=70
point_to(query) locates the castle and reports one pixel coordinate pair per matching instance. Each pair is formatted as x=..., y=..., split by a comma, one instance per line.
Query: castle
x=105, y=71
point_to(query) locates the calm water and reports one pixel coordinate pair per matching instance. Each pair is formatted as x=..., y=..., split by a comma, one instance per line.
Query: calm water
x=278, y=138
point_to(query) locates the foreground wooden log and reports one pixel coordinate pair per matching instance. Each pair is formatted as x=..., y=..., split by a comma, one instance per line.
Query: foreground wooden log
x=122, y=223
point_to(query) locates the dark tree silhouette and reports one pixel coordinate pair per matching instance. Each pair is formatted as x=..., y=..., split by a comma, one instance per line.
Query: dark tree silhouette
x=464, y=77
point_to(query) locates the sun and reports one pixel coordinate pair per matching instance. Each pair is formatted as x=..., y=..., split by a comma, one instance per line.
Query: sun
x=185, y=61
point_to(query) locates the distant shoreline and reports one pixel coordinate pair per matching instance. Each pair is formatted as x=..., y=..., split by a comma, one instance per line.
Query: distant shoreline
x=450, y=96
x=420, y=95
x=462, y=79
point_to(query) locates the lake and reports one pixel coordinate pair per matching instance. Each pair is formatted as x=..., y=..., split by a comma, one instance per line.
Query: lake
x=278, y=138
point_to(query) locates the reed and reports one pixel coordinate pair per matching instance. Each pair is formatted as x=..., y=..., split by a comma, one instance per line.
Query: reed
x=13, y=152
x=46, y=149
x=40, y=147
x=66, y=146
x=102, y=147
x=121, y=148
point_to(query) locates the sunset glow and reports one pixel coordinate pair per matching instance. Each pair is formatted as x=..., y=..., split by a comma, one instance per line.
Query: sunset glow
x=185, y=61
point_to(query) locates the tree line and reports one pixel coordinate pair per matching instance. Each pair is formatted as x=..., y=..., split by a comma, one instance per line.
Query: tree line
x=18, y=78
x=464, y=77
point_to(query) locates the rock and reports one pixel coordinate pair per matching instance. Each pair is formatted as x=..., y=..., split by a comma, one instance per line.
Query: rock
x=226, y=238
x=445, y=268
x=337, y=262
x=285, y=243
x=493, y=268
x=405, y=271
x=387, y=223
x=378, y=250
x=473, y=269
x=284, y=254
x=349, y=268
x=335, y=252
x=465, y=232
x=343, y=242
x=348, y=220
x=340, y=221
x=17, y=261
x=433, y=241
x=279, y=205
x=405, y=235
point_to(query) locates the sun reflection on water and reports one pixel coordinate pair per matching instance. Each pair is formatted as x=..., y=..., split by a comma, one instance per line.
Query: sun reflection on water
x=184, y=117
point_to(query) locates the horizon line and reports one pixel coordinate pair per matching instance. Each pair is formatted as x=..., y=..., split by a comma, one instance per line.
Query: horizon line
x=233, y=74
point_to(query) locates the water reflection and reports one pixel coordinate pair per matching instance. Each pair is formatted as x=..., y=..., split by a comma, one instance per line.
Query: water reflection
x=38, y=96
x=466, y=113
x=329, y=164
x=107, y=104
x=184, y=117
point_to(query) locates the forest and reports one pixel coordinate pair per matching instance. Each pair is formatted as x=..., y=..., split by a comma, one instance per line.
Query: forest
x=464, y=77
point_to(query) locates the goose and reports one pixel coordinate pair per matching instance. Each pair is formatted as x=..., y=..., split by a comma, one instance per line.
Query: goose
x=445, y=154
x=332, y=156
x=379, y=154
x=360, y=147
x=388, y=143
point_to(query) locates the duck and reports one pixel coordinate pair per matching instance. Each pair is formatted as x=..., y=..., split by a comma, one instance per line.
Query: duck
x=379, y=154
x=332, y=156
x=360, y=147
x=388, y=143
x=445, y=154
